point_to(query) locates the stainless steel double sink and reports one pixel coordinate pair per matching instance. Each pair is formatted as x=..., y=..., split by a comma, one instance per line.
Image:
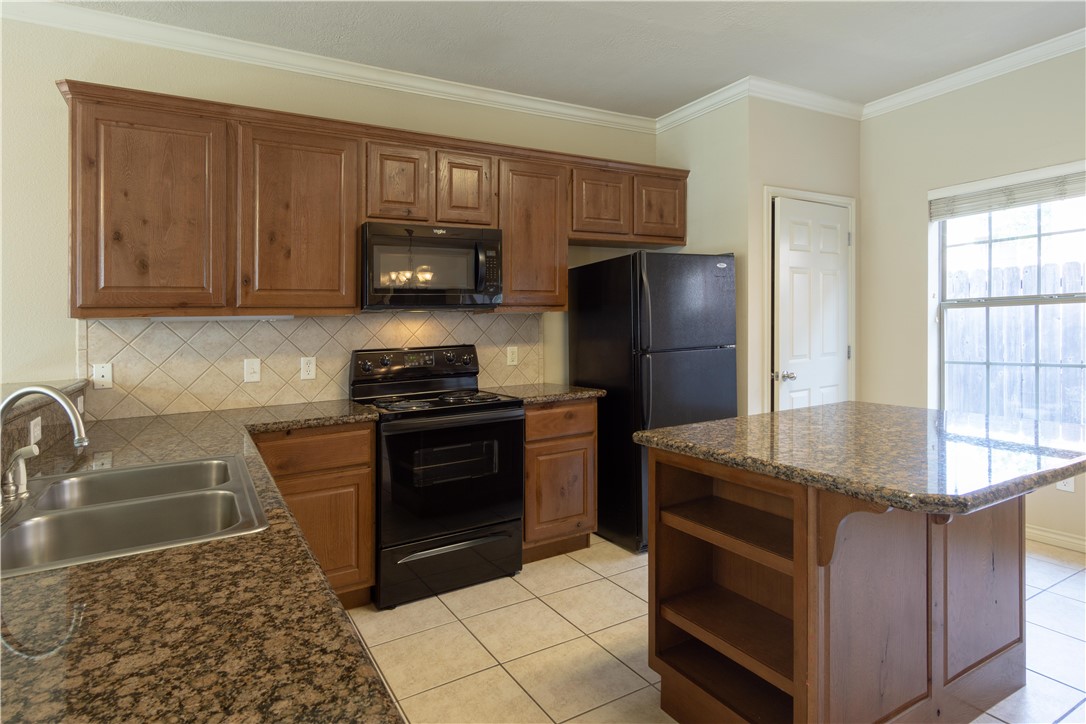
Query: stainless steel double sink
x=101, y=514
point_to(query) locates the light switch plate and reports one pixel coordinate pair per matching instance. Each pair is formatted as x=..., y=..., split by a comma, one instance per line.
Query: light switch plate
x=512, y=354
x=252, y=370
x=35, y=430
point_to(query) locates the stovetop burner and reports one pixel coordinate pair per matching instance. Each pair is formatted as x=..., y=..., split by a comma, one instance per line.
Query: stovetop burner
x=403, y=405
x=467, y=396
x=386, y=401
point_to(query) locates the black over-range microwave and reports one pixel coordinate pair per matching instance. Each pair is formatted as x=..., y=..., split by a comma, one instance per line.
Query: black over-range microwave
x=408, y=266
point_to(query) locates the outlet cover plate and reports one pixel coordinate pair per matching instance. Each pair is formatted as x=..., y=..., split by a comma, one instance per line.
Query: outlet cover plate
x=1067, y=486
x=102, y=374
x=308, y=368
x=35, y=430
x=512, y=355
x=252, y=370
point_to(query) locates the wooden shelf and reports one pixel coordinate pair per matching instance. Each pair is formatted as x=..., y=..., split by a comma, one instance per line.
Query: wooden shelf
x=733, y=686
x=755, y=637
x=755, y=534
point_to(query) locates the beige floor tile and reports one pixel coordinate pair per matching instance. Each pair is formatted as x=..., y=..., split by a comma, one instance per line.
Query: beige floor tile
x=1042, y=574
x=629, y=642
x=1058, y=613
x=987, y=718
x=379, y=627
x=521, y=629
x=635, y=581
x=1054, y=554
x=554, y=574
x=1040, y=700
x=484, y=597
x=488, y=696
x=1056, y=656
x=640, y=707
x=1032, y=591
x=1073, y=587
x=593, y=539
x=573, y=678
x=607, y=559
x=597, y=605
x=421, y=661
x=1078, y=716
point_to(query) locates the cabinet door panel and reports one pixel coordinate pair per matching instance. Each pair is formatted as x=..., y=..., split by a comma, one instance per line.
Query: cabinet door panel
x=602, y=201
x=465, y=188
x=298, y=217
x=659, y=206
x=533, y=219
x=150, y=197
x=560, y=488
x=335, y=513
x=398, y=182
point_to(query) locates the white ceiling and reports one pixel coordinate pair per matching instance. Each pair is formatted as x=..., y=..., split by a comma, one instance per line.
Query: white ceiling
x=639, y=58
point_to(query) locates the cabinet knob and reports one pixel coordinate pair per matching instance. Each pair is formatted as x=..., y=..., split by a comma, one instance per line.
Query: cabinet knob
x=245, y=281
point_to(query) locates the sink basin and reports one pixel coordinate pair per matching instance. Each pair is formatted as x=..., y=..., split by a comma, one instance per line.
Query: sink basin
x=102, y=514
x=94, y=488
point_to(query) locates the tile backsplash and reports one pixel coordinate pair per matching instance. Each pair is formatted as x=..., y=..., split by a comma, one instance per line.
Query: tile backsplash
x=183, y=366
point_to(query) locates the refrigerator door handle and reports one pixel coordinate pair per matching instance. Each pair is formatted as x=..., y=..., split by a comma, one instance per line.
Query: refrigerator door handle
x=645, y=303
x=646, y=391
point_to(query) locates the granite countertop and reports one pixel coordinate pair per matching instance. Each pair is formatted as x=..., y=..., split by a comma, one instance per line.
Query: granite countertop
x=243, y=628
x=909, y=458
x=548, y=392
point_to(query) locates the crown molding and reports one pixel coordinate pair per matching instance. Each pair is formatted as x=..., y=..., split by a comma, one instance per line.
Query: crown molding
x=717, y=99
x=1017, y=60
x=118, y=27
x=773, y=91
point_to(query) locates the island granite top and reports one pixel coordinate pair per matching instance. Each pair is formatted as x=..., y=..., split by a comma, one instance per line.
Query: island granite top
x=931, y=461
x=240, y=629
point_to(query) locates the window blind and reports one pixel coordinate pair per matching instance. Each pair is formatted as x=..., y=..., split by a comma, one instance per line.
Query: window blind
x=1006, y=197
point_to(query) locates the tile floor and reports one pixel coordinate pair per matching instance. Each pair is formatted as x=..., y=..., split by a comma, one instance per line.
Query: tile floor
x=566, y=640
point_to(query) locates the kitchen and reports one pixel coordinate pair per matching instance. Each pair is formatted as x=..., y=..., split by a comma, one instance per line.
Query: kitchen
x=732, y=151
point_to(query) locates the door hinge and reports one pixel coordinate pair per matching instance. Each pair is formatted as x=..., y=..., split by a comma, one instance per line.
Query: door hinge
x=850, y=238
x=850, y=351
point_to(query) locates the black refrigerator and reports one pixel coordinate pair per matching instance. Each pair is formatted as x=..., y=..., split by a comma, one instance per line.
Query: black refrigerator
x=657, y=332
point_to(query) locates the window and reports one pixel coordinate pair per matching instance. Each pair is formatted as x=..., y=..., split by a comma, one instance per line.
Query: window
x=1013, y=305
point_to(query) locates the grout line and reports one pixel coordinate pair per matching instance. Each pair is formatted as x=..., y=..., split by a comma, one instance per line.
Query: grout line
x=1061, y=683
x=1069, y=712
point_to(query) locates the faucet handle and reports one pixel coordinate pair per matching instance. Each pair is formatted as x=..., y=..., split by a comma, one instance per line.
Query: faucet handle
x=15, y=475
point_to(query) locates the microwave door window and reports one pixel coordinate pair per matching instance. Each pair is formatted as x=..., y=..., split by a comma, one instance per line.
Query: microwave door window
x=425, y=268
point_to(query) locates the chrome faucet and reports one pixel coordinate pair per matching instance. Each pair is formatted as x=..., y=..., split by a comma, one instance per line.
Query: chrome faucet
x=14, y=485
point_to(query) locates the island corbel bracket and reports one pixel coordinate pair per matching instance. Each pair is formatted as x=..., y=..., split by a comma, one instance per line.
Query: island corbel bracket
x=833, y=508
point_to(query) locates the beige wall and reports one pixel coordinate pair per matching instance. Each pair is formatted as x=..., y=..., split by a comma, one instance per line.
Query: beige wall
x=39, y=340
x=1028, y=119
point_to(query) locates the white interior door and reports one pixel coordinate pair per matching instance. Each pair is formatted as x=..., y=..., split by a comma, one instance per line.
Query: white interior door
x=810, y=303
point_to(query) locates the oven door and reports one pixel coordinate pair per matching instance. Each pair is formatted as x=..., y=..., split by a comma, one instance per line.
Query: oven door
x=443, y=475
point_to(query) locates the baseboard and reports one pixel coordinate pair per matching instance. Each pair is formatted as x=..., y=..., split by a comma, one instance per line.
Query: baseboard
x=1056, y=538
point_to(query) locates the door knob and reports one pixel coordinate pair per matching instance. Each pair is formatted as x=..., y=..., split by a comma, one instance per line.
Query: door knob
x=782, y=376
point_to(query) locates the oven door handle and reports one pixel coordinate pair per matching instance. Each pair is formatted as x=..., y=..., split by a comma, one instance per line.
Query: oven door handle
x=393, y=427
x=453, y=547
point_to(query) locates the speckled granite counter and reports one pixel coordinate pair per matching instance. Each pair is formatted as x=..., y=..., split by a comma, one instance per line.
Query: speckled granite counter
x=239, y=629
x=540, y=394
x=909, y=458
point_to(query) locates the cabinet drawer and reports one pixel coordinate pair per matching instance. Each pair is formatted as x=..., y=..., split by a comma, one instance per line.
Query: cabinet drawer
x=575, y=418
x=302, y=451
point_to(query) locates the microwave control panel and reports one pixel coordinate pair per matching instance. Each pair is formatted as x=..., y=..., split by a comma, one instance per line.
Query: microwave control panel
x=492, y=269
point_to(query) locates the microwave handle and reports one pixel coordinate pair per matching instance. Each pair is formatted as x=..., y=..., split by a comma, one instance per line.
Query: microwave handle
x=480, y=268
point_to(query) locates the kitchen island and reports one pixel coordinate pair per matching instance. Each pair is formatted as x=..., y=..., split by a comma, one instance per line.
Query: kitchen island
x=849, y=562
x=238, y=629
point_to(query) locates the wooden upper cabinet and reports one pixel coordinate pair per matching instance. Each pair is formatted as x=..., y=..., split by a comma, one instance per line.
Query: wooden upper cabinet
x=398, y=181
x=602, y=201
x=149, y=222
x=659, y=206
x=465, y=188
x=297, y=219
x=535, y=229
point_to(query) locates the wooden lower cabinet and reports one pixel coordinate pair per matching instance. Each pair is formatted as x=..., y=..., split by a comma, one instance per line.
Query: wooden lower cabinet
x=773, y=601
x=559, y=478
x=326, y=478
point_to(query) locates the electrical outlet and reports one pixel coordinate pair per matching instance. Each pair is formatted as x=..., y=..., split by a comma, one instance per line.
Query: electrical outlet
x=309, y=368
x=35, y=430
x=252, y=370
x=79, y=404
x=1067, y=486
x=512, y=354
x=102, y=375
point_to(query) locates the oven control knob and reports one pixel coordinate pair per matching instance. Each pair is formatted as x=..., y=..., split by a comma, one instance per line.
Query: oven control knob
x=367, y=366
x=466, y=359
x=385, y=360
x=450, y=357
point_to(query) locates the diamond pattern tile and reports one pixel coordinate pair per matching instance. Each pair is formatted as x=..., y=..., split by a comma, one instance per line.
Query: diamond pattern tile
x=193, y=367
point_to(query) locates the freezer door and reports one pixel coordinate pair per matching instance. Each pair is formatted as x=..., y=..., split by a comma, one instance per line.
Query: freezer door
x=685, y=301
x=687, y=386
